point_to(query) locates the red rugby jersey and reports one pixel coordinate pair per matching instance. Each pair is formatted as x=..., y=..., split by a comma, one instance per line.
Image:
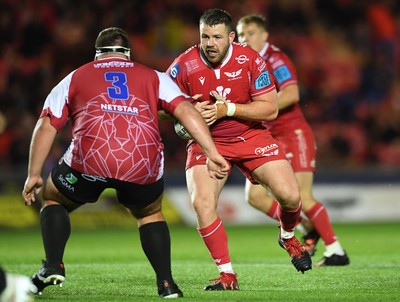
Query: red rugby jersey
x=113, y=104
x=284, y=74
x=242, y=75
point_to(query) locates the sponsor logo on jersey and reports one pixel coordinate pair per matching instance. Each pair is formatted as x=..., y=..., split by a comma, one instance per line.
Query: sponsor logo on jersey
x=113, y=64
x=242, y=59
x=267, y=150
x=233, y=75
x=68, y=181
x=194, y=63
x=191, y=65
x=174, y=71
x=282, y=74
x=263, y=80
x=276, y=63
x=261, y=67
x=119, y=109
x=202, y=79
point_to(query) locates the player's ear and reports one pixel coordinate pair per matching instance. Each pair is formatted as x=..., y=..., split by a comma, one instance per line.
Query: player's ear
x=231, y=36
x=265, y=36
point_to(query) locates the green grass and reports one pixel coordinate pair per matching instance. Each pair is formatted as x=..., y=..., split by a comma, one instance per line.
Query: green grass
x=109, y=265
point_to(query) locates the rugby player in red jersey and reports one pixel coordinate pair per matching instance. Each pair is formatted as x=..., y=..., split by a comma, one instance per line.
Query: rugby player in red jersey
x=296, y=137
x=235, y=93
x=112, y=103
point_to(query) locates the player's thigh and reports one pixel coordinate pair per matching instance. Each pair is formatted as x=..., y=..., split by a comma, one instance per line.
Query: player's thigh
x=278, y=175
x=141, y=199
x=51, y=195
x=255, y=193
x=203, y=190
x=305, y=181
x=148, y=214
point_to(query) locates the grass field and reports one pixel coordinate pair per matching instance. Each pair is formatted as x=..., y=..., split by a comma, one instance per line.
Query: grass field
x=109, y=265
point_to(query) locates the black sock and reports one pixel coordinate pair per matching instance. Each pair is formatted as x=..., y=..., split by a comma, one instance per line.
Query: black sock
x=156, y=244
x=56, y=228
x=2, y=281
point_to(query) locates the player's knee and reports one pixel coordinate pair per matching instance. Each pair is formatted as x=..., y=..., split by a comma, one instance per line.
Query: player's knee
x=147, y=211
x=255, y=200
x=204, y=205
x=289, y=200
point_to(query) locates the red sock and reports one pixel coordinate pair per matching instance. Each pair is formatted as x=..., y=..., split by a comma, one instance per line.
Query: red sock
x=216, y=240
x=273, y=210
x=289, y=219
x=320, y=220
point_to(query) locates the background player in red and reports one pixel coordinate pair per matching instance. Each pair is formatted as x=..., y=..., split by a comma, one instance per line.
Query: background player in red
x=237, y=78
x=296, y=137
x=112, y=103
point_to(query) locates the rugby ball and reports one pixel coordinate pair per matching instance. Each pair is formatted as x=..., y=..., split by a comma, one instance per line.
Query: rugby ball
x=181, y=131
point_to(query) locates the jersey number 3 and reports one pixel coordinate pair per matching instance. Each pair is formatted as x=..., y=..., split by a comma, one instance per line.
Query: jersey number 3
x=119, y=89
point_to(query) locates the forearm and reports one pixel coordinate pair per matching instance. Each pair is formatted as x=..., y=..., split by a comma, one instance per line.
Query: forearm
x=42, y=140
x=261, y=108
x=256, y=111
x=288, y=96
x=194, y=123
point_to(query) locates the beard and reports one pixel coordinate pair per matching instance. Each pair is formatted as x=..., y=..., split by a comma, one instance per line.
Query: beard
x=214, y=56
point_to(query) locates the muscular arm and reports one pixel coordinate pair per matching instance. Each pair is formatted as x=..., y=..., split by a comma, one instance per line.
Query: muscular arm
x=42, y=140
x=261, y=108
x=288, y=96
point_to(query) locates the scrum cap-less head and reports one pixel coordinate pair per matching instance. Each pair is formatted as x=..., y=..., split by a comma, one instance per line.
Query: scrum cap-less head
x=112, y=40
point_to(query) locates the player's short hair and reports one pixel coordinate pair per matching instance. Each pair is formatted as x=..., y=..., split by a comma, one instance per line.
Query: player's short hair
x=215, y=16
x=259, y=20
x=113, y=39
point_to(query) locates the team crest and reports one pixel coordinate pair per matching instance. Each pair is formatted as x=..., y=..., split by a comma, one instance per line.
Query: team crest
x=234, y=74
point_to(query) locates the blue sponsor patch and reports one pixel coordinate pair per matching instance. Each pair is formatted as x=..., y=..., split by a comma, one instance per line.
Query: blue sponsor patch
x=282, y=74
x=263, y=80
x=173, y=72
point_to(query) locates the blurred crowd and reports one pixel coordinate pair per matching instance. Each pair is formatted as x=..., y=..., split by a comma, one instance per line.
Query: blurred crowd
x=347, y=54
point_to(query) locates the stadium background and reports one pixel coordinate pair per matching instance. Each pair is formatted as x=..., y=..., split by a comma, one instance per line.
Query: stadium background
x=348, y=59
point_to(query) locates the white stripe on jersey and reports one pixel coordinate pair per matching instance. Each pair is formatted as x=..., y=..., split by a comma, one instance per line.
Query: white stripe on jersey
x=58, y=96
x=168, y=89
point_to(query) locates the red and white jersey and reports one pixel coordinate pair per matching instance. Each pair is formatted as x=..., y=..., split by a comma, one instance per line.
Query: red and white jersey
x=243, y=74
x=284, y=74
x=113, y=105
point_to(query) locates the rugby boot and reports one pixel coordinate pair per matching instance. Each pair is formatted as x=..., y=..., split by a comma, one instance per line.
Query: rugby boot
x=334, y=260
x=168, y=289
x=301, y=259
x=48, y=275
x=310, y=241
x=225, y=281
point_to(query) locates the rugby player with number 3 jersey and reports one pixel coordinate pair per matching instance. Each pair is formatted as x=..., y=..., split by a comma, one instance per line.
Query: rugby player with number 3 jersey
x=234, y=92
x=112, y=103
